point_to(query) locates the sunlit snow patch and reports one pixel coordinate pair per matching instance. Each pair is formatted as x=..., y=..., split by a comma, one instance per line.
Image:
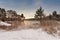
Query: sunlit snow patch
x=27, y=34
x=4, y=23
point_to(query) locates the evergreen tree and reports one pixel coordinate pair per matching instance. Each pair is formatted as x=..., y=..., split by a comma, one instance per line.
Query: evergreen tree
x=54, y=13
x=22, y=15
x=39, y=13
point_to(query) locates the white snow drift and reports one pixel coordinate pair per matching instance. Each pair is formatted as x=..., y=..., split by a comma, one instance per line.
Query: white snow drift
x=4, y=23
x=27, y=34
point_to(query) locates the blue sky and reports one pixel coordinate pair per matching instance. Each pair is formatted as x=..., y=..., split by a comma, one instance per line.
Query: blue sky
x=28, y=7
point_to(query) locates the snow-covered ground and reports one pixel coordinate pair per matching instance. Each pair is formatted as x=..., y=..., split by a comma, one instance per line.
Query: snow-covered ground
x=27, y=34
x=4, y=24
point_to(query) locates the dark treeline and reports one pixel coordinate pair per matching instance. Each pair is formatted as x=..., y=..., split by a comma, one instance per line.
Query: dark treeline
x=10, y=15
x=40, y=15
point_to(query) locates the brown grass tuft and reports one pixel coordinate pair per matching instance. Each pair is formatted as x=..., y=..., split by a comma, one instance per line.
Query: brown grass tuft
x=49, y=26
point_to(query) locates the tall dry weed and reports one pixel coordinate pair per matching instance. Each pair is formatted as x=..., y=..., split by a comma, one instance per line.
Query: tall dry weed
x=49, y=26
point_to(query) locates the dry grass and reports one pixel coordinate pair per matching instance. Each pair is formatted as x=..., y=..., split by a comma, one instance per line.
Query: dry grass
x=49, y=26
x=14, y=25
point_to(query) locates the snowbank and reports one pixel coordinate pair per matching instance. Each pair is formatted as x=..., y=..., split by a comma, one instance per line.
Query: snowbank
x=4, y=23
x=27, y=34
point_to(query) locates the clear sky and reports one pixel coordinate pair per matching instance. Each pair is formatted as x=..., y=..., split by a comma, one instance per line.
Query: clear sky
x=28, y=7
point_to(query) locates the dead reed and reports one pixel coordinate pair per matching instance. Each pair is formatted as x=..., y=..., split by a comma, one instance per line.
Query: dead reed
x=50, y=26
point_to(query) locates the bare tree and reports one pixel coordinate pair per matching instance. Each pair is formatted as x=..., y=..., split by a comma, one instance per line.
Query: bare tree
x=11, y=13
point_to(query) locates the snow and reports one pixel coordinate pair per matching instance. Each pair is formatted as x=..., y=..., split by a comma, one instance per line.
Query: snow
x=4, y=23
x=26, y=34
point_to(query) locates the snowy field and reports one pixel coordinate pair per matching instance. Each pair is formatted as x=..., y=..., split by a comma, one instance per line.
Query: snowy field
x=27, y=34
